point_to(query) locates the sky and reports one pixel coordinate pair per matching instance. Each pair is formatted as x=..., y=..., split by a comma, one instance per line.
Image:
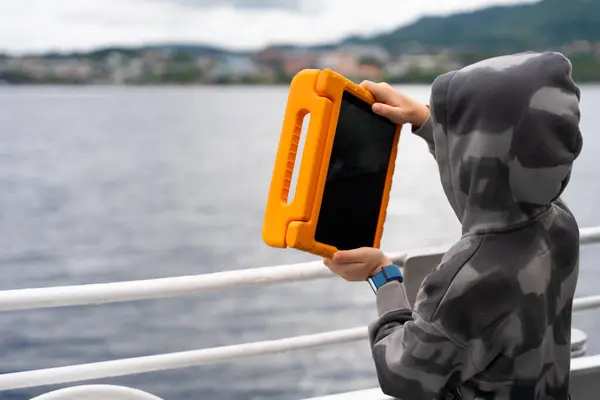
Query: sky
x=64, y=25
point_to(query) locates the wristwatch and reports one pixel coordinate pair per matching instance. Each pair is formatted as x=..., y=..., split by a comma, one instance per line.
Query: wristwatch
x=387, y=274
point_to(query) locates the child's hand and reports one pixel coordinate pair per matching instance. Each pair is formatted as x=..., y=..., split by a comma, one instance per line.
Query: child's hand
x=357, y=265
x=395, y=105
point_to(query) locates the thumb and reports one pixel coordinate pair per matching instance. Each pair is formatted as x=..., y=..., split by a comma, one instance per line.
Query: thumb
x=382, y=92
x=351, y=256
x=392, y=113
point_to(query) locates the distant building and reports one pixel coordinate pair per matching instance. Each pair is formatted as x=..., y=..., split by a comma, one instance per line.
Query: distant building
x=56, y=69
x=35, y=67
x=405, y=64
x=372, y=52
x=370, y=72
x=269, y=56
x=349, y=65
x=155, y=63
x=234, y=67
x=129, y=72
x=205, y=62
x=288, y=61
x=295, y=63
x=339, y=61
x=70, y=69
x=422, y=63
x=114, y=60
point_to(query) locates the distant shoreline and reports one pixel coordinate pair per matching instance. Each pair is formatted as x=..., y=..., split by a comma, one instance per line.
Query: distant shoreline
x=198, y=85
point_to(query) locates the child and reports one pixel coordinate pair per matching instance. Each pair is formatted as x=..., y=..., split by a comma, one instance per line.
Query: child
x=493, y=320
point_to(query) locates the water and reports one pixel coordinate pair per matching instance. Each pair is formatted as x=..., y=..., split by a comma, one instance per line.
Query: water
x=106, y=184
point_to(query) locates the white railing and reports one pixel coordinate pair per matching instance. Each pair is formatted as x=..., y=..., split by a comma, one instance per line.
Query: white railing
x=163, y=362
x=103, y=293
x=183, y=286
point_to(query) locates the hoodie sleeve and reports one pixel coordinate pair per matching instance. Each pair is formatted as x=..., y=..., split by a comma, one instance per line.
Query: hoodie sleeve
x=426, y=132
x=414, y=358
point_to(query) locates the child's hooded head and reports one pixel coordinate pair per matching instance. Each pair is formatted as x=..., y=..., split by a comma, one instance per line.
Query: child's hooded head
x=506, y=133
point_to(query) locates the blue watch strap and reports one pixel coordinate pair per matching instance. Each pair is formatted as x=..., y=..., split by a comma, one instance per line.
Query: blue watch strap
x=387, y=274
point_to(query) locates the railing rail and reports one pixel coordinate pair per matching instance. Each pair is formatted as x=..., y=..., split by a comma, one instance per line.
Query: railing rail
x=181, y=286
x=117, y=292
x=184, y=359
x=192, y=358
x=103, y=293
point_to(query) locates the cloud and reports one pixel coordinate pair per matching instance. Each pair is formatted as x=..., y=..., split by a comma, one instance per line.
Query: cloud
x=241, y=4
x=65, y=25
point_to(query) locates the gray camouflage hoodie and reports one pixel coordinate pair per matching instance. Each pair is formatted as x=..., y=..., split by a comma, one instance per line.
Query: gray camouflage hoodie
x=493, y=319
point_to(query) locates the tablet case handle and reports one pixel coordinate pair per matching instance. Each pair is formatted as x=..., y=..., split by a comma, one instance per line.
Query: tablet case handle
x=302, y=100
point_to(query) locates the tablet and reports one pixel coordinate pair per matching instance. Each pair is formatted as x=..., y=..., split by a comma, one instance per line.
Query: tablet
x=345, y=171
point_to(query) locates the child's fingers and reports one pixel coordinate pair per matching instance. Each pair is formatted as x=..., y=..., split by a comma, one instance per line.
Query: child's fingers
x=367, y=85
x=351, y=256
x=381, y=91
x=394, y=114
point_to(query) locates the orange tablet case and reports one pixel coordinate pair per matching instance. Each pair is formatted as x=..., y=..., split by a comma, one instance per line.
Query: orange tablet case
x=294, y=224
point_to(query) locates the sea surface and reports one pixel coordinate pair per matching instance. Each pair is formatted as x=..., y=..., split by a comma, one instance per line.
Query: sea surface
x=104, y=184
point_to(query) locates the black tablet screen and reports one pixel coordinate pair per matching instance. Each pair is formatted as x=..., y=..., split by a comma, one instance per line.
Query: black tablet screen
x=356, y=177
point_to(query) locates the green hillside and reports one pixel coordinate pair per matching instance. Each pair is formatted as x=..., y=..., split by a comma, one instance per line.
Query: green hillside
x=570, y=26
x=543, y=25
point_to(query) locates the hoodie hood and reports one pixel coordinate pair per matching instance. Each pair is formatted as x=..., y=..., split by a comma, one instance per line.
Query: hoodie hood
x=505, y=133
